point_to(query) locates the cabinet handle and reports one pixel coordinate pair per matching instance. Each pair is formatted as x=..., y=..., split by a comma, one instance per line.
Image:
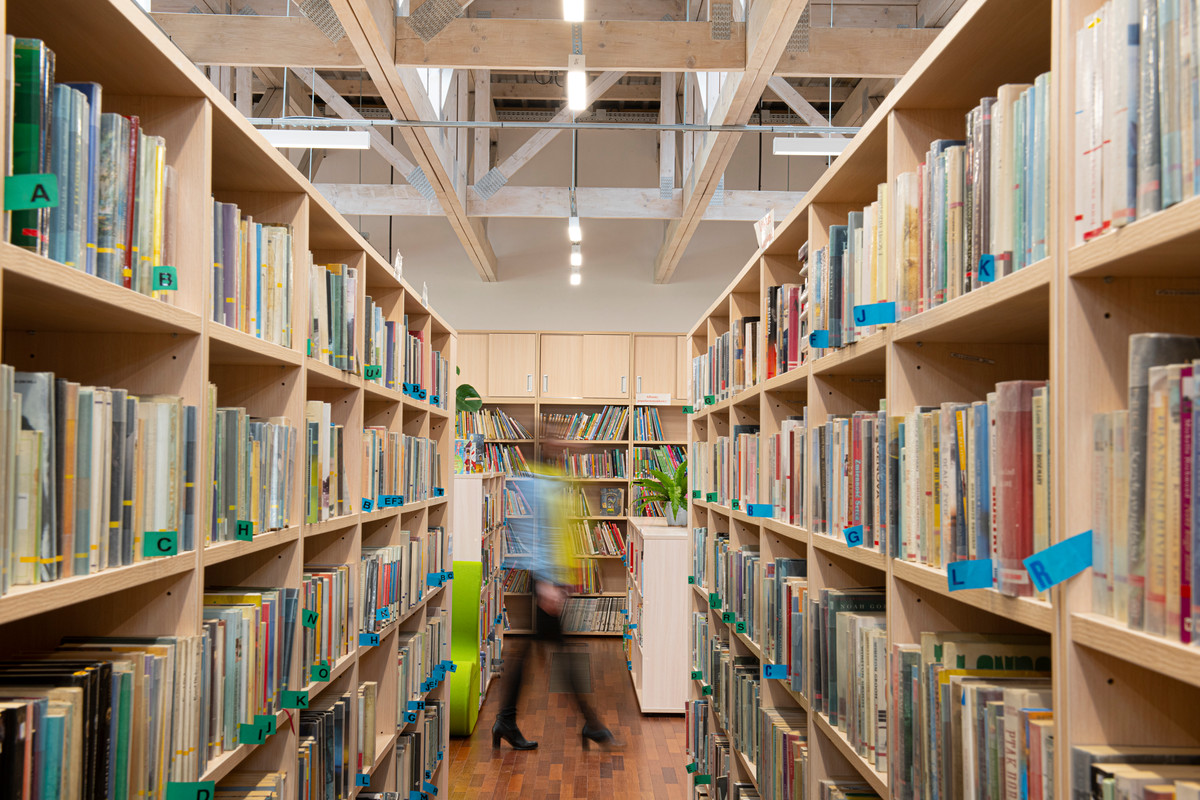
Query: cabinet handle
x=622, y=384
x=529, y=382
x=639, y=384
x=545, y=383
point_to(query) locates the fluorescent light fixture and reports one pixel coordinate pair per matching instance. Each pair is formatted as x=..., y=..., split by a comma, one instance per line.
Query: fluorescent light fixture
x=793, y=146
x=319, y=139
x=573, y=10
x=574, y=231
x=576, y=83
x=576, y=277
x=576, y=255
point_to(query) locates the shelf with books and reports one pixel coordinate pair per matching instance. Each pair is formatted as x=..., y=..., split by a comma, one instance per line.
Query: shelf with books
x=864, y=357
x=1162, y=244
x=877, y=780
x=1028, y=611
x=223, y=551
x=862, y=555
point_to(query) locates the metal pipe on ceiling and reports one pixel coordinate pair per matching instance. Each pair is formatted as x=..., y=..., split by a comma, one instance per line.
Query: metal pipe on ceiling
x=327, y=122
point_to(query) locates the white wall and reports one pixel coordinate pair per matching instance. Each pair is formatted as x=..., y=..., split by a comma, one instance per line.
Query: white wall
x=618, y=292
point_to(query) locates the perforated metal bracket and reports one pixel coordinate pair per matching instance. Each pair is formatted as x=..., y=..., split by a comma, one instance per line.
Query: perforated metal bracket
x=321, y=14
x=718, y=198
x=576, y=39
x=799, y=41
x=721, y=19
x=666, y=187
x=490, y=183
x=418, y=181
x=432, y=16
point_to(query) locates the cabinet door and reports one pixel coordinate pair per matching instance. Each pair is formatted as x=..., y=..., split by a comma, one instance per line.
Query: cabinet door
x=512, y=368
x=654, y=364
x=473, y=361
x=606, y=374
x=562, y=365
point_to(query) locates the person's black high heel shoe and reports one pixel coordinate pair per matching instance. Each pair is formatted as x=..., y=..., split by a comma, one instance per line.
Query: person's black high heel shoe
x=598, y=734
x=512, y=734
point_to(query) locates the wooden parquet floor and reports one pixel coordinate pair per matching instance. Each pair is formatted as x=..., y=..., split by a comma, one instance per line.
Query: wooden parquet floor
x=650, y=765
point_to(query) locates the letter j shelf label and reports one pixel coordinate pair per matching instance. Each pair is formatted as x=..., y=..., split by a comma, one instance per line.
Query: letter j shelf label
x=203, y=790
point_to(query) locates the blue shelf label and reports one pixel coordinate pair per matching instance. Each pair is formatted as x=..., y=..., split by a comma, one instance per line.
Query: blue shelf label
x=361, y=779
x=436, y=400
x=439, y=755
x=760, y=510
x=987, y=268
x=415, y=795
x=391, y=500
x=775, y=671
x=1060, y=561
x=854, y=535
x=410, y=717
x=818, y=339
x=874, y=314
x=421, y=394
x=368, y=640
x=416, y=705
x=381, y=614
x=633, y=626
x=429, y=787
x=975, y=574
x=368, y=504
x=439, y=491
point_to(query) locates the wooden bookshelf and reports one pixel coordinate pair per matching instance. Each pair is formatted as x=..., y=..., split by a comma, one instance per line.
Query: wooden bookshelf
x=85, y=329
x=1066, y=318
x=501, y=364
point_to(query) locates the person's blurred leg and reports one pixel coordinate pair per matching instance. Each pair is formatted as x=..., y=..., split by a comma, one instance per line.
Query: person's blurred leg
x=515, y=652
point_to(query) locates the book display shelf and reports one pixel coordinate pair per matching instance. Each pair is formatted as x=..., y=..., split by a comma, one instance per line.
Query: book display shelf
x=539, y=380
x=656, y=644
x=478, y=547
x=82, y=328
x=1064, y=319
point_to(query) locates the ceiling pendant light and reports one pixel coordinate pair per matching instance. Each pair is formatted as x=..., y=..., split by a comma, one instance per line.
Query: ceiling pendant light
x=576, y=255
x=576, y=83
x=576, y=276
x=573, y=10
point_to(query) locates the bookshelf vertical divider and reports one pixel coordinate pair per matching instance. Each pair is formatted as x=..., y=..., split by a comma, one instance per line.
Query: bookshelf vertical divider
x=84, y=329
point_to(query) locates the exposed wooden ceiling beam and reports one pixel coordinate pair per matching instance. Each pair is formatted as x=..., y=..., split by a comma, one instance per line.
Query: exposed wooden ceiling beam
x=252, y=41
x=368, y=25
x=645, y=10
x=553, y=202
x=857, y=53
x=768, y=29
x=796, y=102
x=545, y=44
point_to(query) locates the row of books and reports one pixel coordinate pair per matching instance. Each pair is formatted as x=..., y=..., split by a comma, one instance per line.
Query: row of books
x=252, y=275
x=326, y=593
x=1137, y=133
x=118, y=197
x=592, y=614
x=647, y=427
x=787, y=323
x=493, y=423
x=666, y=458
x=603, y=539
x=1144, y=483
x=90, y=470
x=589, y=577
x=417, y=751
x=249, y=638
x=728, y=468
x=608, y=424
x=253, y=462
x=422, y=469
x=327, y=490
x=382, y=464
x=730, y=365
x=106, y=717
x=1142, y=772
x=973, y=717
x=368, y=695
x=506, y=458
x=394, y=577
x=784, y=765
x=439, y=390
x=332, y=310
x=603, y=464
x=517, y=581
x=326, y=763
x=383, y=343
x=418, y=653
x=515, y=503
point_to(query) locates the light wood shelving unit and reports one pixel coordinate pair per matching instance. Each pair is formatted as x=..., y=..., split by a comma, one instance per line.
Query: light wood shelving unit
x=85, y=329
x=655, y=597
x=1066, y=318
x=528, y=373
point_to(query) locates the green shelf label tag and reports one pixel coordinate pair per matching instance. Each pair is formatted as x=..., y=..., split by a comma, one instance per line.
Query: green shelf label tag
x=711, y=497
x=308, y=618
x=710, y=399
x=164, y=279
x=739, y=626
x=703, y=780
x=373, y=372
x=706, y=690
x=320, y=673
x=714, y=600
x=692, y=767
x=728, y=617
x=36, y=190
x=244, y=531
x=691, y=580
x=696, y=494
x=697, y=675
x=251, y=734
x=266, y=722
x=200, y=790
x=734, y=505
x=160, y=543
x=294, y=700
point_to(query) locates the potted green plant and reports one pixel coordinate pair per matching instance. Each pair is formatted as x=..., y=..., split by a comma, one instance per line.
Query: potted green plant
x=670, y=490
x=466, y=398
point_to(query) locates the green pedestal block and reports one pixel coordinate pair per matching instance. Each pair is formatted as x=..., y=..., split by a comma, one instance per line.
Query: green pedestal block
x=464, y=648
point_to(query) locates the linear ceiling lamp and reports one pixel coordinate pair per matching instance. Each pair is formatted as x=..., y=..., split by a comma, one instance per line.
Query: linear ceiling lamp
x=795, y=146
x=318, y=139
x=576, y=255
x=576, y=83
x=573, y=10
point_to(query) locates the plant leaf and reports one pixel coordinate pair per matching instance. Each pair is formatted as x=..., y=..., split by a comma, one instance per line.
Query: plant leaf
x=467, y=399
